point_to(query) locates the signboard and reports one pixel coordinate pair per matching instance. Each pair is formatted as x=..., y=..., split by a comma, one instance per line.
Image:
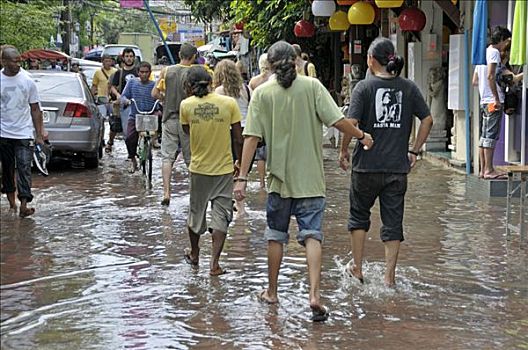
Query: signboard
x=157, y=3
x=190, y=34
x=131, y=3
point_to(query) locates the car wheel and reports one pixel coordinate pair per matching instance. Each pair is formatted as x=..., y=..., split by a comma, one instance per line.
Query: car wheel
x=91, y=162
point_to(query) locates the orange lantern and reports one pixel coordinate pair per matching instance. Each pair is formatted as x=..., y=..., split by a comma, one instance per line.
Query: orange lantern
x=412, y=19
x=384, y=4
x=346, y=2
x=361, y=13
x=339, y=21
x=304, y=29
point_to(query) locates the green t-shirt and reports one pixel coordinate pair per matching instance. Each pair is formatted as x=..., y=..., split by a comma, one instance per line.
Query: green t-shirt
x=290, y=122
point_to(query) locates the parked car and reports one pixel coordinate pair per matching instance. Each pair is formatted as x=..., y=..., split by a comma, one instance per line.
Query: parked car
x=114, y=50
x=71, y=117
x=94, y=54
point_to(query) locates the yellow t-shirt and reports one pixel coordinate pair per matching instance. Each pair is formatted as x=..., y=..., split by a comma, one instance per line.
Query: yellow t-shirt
x=101, y=81
x=210, y=119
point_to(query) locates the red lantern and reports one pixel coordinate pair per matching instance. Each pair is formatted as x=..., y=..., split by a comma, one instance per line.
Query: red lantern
x=239, y=26
x=412, y=19
x=304, y=29
x=346, y=2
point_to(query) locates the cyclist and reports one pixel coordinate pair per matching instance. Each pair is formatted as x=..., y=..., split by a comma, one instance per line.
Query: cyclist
x=139, y=90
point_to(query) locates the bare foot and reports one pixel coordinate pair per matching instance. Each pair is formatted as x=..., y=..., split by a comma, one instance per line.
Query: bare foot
x=189, y=259
x=24, y=212
x=354, y=271
x=264, y=297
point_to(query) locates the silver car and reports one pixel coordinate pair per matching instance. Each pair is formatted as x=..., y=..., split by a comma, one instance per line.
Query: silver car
x=71, y=117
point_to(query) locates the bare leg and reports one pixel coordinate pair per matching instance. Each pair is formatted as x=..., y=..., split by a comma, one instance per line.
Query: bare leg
x=275, y=251
x=357, y=240
x=240, y=208
x=194, y=254
x=313, y=259
x=488, y=161
x=110, y=143
x=392, y=249
x=166, y=172
x=218, y=246
x=11, y=197
x=482, y=162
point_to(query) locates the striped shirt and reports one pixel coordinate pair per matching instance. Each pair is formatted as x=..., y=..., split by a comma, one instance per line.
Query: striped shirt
x=140, y=92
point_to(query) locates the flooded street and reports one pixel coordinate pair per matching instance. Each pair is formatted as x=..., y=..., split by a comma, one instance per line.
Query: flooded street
x=100, y=266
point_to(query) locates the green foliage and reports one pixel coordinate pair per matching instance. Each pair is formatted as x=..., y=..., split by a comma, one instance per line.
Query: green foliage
x=26, y=26
x=266, y=20
x=209, y=10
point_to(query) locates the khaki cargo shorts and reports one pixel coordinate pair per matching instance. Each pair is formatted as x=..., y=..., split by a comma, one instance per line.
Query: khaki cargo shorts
x=172, y=137
x=218, y=190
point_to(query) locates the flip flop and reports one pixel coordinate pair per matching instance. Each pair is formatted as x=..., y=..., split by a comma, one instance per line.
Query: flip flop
x=218, y=272
x=320, y=314
x=28, y=212
x=496, y=177
x=350, y=274
x=188, y=259
x=263, y=299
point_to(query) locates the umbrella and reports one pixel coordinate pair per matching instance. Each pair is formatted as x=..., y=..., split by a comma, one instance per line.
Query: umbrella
x=480, y=32
x=518, y=44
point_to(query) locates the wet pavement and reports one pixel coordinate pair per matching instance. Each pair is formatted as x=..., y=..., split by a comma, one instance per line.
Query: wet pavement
x=100, y=266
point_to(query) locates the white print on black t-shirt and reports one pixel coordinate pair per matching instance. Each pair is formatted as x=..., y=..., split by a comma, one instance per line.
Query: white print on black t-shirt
x=128, y=77
x=388, y=108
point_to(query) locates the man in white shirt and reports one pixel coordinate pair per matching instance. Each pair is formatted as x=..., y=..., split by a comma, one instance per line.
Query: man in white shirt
x=491, y=101
x=20, y=115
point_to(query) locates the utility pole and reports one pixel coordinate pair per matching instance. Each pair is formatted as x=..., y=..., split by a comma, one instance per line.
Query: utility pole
x=66, y=18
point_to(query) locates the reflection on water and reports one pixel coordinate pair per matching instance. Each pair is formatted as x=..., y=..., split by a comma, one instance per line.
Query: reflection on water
x=100, y=266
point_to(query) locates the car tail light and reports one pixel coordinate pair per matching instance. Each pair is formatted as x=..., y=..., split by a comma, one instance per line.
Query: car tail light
x=77, y=110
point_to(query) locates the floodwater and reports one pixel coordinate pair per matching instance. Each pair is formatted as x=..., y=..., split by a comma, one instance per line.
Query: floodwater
x=100, y=266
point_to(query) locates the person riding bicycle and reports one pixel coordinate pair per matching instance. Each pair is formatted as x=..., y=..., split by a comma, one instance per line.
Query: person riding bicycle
x=139, y=90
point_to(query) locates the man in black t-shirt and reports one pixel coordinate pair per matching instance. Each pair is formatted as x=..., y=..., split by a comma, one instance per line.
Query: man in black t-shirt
x=119, y=81
x=382, y=171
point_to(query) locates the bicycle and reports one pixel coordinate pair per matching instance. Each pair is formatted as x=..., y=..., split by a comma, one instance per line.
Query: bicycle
x=147, y=127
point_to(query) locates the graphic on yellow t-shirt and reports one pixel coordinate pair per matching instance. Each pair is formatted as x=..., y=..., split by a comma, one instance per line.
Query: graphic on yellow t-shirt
x=210, y=119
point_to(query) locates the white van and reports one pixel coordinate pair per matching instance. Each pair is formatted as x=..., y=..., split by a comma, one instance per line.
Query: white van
x=114, y=50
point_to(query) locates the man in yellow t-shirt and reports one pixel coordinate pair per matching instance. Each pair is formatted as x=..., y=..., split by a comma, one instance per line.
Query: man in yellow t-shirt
x=209, y=118
x=100, y=91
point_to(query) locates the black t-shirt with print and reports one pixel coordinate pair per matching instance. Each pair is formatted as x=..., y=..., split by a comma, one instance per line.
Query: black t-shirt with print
x=385, y=108
x=125, y=76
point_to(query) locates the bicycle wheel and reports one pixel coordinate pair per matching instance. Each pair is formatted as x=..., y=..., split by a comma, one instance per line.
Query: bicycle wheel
x=148, y=162
x=141, y=153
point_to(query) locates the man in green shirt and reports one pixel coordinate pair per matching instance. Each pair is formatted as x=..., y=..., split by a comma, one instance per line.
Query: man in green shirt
x=288, y=113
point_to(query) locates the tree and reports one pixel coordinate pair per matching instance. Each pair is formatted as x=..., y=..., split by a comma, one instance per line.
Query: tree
x=266, y=20
x=27, y=25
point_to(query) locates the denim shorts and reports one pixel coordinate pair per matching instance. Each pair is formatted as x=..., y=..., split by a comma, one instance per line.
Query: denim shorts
x=491, y=124
x=17, y=155
x=390, y=189
x=308, y=213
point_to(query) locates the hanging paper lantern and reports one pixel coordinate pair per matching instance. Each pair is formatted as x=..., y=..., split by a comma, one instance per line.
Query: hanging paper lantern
x=339, y=21
x=346, y=2
x=239, y=26
x=361, y=13
x=412, y=19
x=323, y=8
x=384, y=4
x=304, y=29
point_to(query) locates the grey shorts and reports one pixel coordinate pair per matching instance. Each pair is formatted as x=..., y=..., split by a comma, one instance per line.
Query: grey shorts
x=174, y=140
x=215, y=189
x=491, y=124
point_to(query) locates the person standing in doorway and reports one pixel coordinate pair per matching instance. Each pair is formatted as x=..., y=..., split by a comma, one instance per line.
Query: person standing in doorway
x=382, y=171
x=293, y=132
x=171, y=90
x=491, y=102
x=21, y=127
x=209, y=119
